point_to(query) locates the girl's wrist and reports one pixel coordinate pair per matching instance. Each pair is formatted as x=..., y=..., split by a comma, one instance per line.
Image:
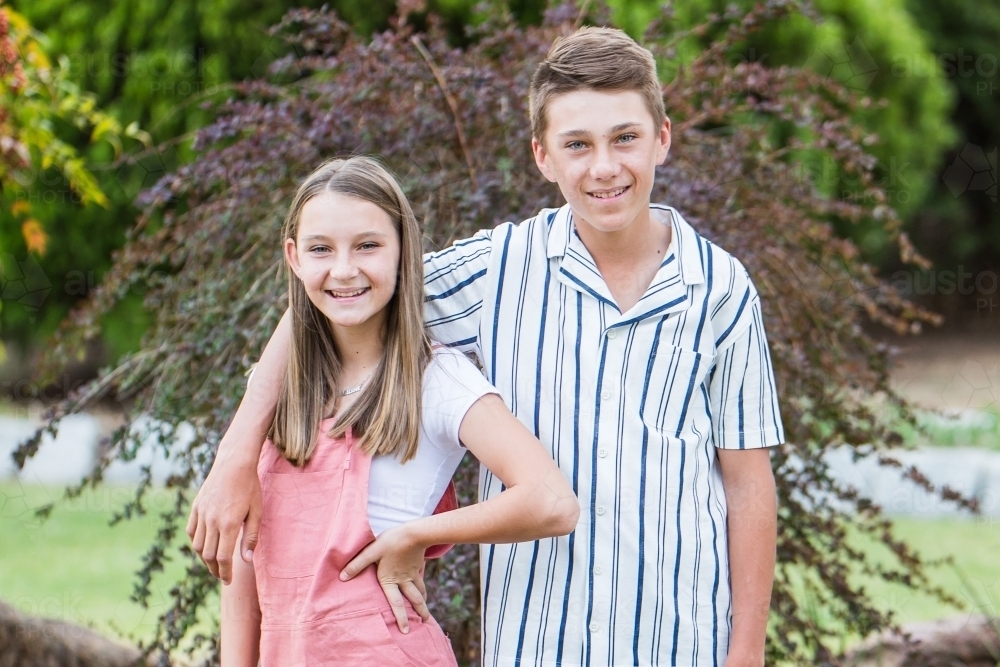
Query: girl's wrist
x=411, y=535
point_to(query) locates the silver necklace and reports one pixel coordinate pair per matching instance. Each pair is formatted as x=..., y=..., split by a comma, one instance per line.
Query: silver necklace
x=356, y=389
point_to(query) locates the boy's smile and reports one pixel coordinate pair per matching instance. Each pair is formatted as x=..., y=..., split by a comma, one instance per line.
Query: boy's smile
x=602, y=149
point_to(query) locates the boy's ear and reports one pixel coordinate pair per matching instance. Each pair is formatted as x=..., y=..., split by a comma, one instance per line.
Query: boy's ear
x=664, y=141
x=292, y=257
x=541, y=159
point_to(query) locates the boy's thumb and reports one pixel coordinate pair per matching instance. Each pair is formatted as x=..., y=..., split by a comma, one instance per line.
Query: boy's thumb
x=251, y=530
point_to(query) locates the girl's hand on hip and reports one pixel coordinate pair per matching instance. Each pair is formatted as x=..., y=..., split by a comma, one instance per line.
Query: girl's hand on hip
x=400, y=569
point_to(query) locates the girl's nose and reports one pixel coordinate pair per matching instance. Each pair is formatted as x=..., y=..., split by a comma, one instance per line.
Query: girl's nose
x=343, y=269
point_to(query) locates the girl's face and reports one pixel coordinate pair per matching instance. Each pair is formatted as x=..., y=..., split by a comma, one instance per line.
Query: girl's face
x=346, y=254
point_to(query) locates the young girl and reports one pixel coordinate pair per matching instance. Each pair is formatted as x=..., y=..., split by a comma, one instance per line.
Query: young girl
x=370, y=425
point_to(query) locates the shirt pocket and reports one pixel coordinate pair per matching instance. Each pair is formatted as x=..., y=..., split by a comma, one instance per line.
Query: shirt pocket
x=675, y=390
x=299, y=513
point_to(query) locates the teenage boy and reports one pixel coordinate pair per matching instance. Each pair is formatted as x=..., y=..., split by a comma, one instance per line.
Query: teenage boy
x=635, y=350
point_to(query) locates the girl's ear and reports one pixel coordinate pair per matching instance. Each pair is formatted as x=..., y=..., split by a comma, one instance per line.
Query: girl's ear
x=292, y=257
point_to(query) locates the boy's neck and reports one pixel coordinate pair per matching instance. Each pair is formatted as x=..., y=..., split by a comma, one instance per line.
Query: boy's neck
x=631, y=245
x=629, y=258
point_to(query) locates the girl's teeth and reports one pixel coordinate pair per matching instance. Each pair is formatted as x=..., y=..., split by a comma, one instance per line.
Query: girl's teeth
x=339, y=295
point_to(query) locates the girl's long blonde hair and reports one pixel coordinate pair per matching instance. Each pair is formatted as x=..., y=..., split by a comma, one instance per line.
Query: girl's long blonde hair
x=386, y=416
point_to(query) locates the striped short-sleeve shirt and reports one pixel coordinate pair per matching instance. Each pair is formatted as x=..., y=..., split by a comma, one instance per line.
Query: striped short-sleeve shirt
x=632, y=406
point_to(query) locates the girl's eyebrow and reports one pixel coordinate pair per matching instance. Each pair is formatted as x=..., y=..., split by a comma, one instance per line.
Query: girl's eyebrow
x=321, y=237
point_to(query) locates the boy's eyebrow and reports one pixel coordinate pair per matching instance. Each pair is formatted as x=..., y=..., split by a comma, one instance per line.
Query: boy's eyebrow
x=620, y=127
x=624, y=126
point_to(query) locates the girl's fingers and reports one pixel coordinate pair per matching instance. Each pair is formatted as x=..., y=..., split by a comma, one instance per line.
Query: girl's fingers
x=360, y=562
x=395, y=599
x=412, y=593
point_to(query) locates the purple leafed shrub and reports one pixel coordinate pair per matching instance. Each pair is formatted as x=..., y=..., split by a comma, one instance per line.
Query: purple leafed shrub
x=453, y=125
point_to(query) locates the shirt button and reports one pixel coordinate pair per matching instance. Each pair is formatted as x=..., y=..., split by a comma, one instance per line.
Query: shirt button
x=605, y=394
x=597, y=569
x=600, y=510
x=602, y=453
x=612, y=334
x=594, y=627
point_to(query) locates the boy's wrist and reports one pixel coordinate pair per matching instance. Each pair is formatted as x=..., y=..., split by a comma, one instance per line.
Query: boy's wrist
x=233, y=455
x=744, y=658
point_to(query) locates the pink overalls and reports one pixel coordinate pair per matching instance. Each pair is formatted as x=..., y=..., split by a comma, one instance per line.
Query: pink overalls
x=315, y=521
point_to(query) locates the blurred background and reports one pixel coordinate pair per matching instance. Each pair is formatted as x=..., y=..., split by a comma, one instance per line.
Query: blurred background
x=110, y=94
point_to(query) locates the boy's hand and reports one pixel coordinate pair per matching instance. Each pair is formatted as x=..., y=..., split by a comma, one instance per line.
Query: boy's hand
x=400, y=572
x=228, y=500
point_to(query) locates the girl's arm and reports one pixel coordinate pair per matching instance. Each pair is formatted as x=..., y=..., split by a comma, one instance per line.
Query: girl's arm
x=230, y=495
x=240, y=616
x=537, y=502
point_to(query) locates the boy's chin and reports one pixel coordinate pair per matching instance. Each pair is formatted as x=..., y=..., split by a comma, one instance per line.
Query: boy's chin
x=607, y=224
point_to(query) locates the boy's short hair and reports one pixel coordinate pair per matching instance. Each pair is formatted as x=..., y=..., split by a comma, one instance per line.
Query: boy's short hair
x=604, y=59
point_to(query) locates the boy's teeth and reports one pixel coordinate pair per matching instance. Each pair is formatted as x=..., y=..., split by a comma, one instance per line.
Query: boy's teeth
x=607, y=195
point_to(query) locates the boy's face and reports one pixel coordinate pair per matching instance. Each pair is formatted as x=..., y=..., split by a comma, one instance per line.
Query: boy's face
x=602, y=149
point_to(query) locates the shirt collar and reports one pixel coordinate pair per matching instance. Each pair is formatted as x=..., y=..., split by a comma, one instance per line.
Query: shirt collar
x=684, y=240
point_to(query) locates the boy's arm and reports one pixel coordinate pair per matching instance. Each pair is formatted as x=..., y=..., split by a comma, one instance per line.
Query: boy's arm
x=454, y=285
x=240, y=618
x=230, y=495
x=746, y=421
x=752, y=531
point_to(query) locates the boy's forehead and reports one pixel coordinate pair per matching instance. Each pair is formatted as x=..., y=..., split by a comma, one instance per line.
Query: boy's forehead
x=595, y=111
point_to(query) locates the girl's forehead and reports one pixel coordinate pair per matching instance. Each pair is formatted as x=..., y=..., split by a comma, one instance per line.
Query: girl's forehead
x=334, y=214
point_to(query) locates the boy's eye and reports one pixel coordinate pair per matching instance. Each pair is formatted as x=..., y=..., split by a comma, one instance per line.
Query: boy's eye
x=625, y=138
x=575, y=145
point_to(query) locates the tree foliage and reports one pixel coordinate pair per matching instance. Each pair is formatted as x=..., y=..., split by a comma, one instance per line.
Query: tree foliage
x=207, y=253
x=962, y=223
x=37, y=101
x=876, y=50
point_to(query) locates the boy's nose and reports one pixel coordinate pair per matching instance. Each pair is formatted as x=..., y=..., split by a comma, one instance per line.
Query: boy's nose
x=604, y=166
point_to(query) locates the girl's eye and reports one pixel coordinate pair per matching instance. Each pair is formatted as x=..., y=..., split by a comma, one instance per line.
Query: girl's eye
x=318, y=248
x=368, y=246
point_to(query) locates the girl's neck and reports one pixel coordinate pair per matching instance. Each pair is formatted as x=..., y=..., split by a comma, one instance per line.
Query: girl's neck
x=360, y=349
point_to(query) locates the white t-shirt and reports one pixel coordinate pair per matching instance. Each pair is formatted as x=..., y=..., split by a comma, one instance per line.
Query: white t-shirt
x=399, y=492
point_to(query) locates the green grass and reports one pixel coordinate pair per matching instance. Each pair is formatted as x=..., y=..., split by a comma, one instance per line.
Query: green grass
x=974, y=578
x=74, y=566
x=974, y=428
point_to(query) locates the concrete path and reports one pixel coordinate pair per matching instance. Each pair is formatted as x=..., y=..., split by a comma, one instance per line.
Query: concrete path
x=974, y=472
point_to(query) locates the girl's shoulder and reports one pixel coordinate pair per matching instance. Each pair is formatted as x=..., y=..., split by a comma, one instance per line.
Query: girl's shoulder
x=450, y=375
x=446, y=362
x=452, y=383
